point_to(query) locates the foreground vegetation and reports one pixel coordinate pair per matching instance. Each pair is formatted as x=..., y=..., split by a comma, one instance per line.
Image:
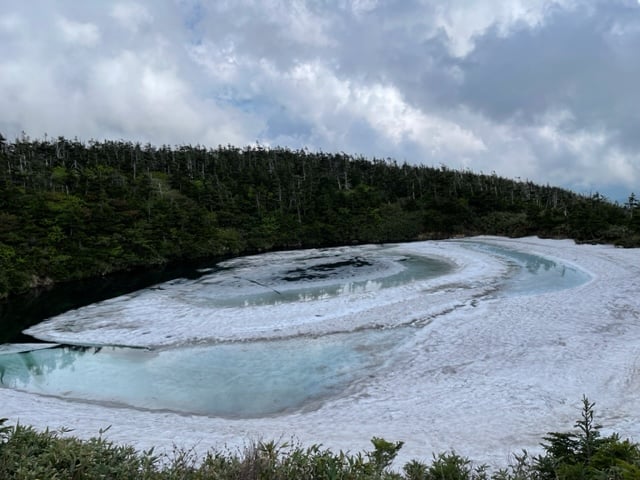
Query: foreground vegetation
x=70, y=210
x=582, y=454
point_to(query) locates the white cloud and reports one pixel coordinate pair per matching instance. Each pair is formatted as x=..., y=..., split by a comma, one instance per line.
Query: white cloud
x=219, y=61
x=300, y=23
x=139, y=93
x=360, y=7
x=131, y=16
x=542, y=89
x=595, y=156
x=464, y=20
x=77, y=33
x=390, y=115
x=11, y=23
x=335, y=108
x=553, y=131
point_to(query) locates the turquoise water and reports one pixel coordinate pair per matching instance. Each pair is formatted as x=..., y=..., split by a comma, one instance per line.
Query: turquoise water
x=316, y=281
x=532, y=274
x=229, y=380
x=258, y=378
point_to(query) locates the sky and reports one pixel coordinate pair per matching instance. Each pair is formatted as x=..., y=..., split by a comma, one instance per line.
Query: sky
x=540, y=90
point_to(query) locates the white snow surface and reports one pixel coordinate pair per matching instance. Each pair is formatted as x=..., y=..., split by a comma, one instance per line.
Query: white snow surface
x=482, y=374
x=185, y=312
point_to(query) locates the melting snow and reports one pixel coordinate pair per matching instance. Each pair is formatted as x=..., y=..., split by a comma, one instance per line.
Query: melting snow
x=481, y=372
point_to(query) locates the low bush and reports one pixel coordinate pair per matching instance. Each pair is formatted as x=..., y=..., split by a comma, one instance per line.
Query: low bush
x=583, y=454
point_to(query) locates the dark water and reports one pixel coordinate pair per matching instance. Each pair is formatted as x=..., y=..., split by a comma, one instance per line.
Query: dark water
x=21, y=312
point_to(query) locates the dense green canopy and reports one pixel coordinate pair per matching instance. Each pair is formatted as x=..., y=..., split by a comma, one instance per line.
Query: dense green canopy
x=70, y=210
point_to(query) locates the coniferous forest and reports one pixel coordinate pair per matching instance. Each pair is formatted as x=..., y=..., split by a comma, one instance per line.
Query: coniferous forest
x=71, y=210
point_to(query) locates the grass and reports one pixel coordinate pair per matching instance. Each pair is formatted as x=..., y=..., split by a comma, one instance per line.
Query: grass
x=581, y=454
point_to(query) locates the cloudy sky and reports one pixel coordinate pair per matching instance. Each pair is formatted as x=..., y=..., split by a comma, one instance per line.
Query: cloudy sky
x=546, y=90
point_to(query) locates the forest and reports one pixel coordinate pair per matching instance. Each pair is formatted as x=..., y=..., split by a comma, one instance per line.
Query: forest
x=71, y=210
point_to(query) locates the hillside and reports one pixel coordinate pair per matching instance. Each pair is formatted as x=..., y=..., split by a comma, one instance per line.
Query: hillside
x=70, y=210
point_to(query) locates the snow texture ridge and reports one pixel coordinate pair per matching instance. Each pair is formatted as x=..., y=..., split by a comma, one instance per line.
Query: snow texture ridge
x=482, y=373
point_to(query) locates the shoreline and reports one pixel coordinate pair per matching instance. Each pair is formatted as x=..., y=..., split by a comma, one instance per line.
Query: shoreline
x=486, y=380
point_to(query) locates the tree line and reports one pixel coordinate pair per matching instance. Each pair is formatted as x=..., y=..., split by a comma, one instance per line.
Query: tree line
x=71, y=210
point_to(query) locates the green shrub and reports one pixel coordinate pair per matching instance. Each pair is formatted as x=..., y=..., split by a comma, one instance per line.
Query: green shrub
x=26, y=454
x=585, y=455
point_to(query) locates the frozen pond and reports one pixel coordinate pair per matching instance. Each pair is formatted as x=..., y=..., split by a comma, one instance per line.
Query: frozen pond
x=229, y=380
x=253, y=281
x=532, y=274
x=263, y=335
x=485, y=357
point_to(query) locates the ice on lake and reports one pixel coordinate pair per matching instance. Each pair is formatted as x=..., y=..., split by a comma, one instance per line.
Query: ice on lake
x=485, y=355
x=532, y=274
x=256, y=376
x=229, y=380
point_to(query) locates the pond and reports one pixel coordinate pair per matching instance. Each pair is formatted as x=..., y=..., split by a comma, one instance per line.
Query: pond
x=235, y=380
x=532, y=274
x=258, y=376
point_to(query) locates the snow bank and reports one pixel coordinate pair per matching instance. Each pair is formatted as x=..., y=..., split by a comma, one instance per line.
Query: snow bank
x=483, y=374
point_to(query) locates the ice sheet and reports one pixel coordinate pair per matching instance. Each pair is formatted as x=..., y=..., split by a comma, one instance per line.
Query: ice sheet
x=214, y=308
x=485, y=375
x=9, y=348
